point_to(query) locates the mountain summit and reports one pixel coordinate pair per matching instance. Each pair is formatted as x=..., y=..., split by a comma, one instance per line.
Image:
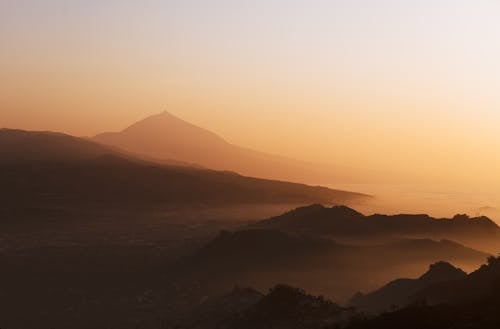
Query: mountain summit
x=166, y=137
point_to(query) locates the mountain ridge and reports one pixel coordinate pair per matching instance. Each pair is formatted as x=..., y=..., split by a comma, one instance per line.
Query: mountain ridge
x=345, y=221
x=165, y=136
x=36, y=165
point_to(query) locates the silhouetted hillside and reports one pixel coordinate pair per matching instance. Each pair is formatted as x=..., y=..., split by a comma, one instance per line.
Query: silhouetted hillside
x=476, y=285
x=283, y=307
x=430, y=248
x=42, y=170
x=473, y=303
x=263, y=258
x=288, y=307
x=250, y=250
x=20, y=146
x=164, y=136
x=340, y=221
x=401, y=292
x=220, y=311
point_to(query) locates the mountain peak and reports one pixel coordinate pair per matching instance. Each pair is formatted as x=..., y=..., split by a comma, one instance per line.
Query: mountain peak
x=346, y=211
x=442, y=270
x=165, y=136
x=165, y=120
x=163, y=114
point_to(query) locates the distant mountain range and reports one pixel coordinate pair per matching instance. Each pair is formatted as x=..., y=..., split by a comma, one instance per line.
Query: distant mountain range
x=44, y=169
x=344, y=222
x=166, y=137
x=264, y=253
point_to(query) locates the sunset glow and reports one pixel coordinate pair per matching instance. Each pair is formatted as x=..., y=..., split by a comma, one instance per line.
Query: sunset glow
x=258, y=164
x=406, y=89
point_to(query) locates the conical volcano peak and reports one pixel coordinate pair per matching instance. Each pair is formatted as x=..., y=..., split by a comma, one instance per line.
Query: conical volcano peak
x=165, y=120
x=165, y=136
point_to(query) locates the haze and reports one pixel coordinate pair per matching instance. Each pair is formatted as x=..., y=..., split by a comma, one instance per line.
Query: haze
x=404, y=90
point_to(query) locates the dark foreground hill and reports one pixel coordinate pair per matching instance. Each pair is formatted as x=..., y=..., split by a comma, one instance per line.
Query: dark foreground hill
x=282, y=307
x=471, y=302
x=477, y=284
x=41, y=170
x=287, y=307
x=401, y=292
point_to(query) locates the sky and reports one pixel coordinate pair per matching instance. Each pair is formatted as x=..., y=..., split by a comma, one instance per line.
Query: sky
x=409, y=88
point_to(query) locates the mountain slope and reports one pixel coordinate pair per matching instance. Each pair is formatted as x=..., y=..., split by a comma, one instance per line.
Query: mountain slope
x=476, y=285
x=471, y=302
x=282, y=307
x=400, y=292
x=164, y=136
x=288, y=307
x=42, y=169
x=263, y=258
x=167, y=137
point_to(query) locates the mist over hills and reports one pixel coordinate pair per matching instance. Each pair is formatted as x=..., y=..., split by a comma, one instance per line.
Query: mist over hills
x=472, y=302
x=257, y=248
x=287, y=307
x=263, y=258
x=164, y=136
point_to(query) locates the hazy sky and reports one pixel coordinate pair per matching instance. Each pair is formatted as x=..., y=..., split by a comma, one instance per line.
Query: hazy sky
x=396, y=85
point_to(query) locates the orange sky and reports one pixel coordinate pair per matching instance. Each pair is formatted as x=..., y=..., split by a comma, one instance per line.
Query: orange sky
x=409, y=88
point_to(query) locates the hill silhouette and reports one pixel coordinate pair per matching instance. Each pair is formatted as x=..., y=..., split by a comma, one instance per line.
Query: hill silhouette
x=50, y=170
x=20, y=146
x=470, y=302
x=476, y=285
x=401, y=292
x=249, y=250
x=283, y=306
x=344, y=222
x=165, y=136
x=220, y=311
x=263, y=258
x=288, y=307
